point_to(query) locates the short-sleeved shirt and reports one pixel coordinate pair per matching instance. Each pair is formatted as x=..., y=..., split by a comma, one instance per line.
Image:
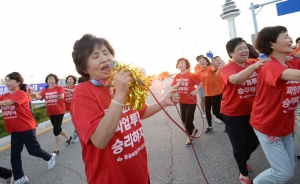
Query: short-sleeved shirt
x=124, y=159
x=186, y=87
x=210, y=81
x=237, y=99
x=276, y=99
x=197, y=68
x=17, y=117
x=68, y=98
x=54, y=105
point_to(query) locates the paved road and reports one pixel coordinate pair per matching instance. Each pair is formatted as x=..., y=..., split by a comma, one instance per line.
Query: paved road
x=170, y=161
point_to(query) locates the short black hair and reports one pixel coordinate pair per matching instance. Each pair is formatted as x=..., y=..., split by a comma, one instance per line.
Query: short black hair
x=81, y=79
x=199, y=57
x=266, y=37
x=231, y=44
x=252, y=52
x=15, y=76
x=297, y=39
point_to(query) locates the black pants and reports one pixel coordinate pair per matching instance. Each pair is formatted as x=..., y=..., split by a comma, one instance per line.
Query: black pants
x=56, y=121
x=214, y=102
x=243, y=139
x=5, y=173
x=18, y=139
x=187, y=113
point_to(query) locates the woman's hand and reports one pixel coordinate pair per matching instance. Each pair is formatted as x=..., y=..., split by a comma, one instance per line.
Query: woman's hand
x=193, y=93
x=171, y=98
x=121, y=82
x=296, y=55
x=60, y=96
x=176, y=86
x=32, y=95
x=261, y=62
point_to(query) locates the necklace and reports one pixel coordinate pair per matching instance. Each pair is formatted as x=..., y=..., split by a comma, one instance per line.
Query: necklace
x=103, y=84
x=100, y=83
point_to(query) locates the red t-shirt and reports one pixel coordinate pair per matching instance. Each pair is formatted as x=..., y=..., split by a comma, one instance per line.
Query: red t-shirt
x=186, y=87
x=68, y=98
x=54, y=105
x=276, y=99
x=17, y=117
x=124, y=159
x=237, y=99
x=211, y=85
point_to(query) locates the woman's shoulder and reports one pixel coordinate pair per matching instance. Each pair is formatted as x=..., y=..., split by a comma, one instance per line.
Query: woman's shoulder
x=85, y=88
x=20, y=92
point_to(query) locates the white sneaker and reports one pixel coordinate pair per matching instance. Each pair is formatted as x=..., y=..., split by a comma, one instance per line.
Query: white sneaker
x=75, y=137
x=204, y=114
x=22, y=180
x=51, y=162
x=219, y=121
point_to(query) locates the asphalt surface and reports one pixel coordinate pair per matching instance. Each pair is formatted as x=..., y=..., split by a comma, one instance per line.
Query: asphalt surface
x=170, y=161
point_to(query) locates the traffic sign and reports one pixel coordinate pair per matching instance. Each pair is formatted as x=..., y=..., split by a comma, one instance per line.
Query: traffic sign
x=286, y=7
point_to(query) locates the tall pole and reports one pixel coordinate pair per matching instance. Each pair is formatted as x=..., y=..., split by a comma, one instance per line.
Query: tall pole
x=254, y=18
x=253, y=7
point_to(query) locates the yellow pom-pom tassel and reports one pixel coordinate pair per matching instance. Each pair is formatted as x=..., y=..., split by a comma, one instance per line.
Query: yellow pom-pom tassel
x=138, y=93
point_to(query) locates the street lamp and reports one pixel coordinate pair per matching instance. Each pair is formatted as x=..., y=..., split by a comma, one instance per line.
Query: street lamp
x=255, y=6
x=31, y=79
x=181, y=42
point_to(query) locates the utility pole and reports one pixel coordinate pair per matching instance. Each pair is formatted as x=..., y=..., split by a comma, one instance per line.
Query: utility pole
x=253, y=7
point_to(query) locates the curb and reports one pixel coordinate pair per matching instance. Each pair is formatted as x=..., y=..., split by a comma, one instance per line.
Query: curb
x=43, y=127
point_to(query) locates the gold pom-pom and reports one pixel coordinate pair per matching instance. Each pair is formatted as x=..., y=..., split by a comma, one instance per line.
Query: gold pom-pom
x=138, y=93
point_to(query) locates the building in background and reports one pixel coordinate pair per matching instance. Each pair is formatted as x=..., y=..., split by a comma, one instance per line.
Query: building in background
x=229, y=14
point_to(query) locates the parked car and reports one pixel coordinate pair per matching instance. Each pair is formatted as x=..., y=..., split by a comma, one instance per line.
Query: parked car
x=163, y=75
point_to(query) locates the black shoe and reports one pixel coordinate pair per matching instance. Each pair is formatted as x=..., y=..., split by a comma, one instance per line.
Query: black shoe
x=208, y=130
x=56, y=152
x=69, y=141
x=298, y=156
x=187, y=144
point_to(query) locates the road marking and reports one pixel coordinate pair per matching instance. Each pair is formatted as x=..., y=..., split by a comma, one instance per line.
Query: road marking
x=38, y=133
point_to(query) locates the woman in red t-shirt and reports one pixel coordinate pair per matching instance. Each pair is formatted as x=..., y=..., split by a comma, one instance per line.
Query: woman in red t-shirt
x=212, y=91
x=186, y=82
x=272, y=117
x=69, y=90
x=54, y=100
x=239, y=78
x=111, y=135
x=20, y=123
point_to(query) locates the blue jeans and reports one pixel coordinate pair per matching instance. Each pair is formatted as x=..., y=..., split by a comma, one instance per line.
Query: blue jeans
x=280, y=154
